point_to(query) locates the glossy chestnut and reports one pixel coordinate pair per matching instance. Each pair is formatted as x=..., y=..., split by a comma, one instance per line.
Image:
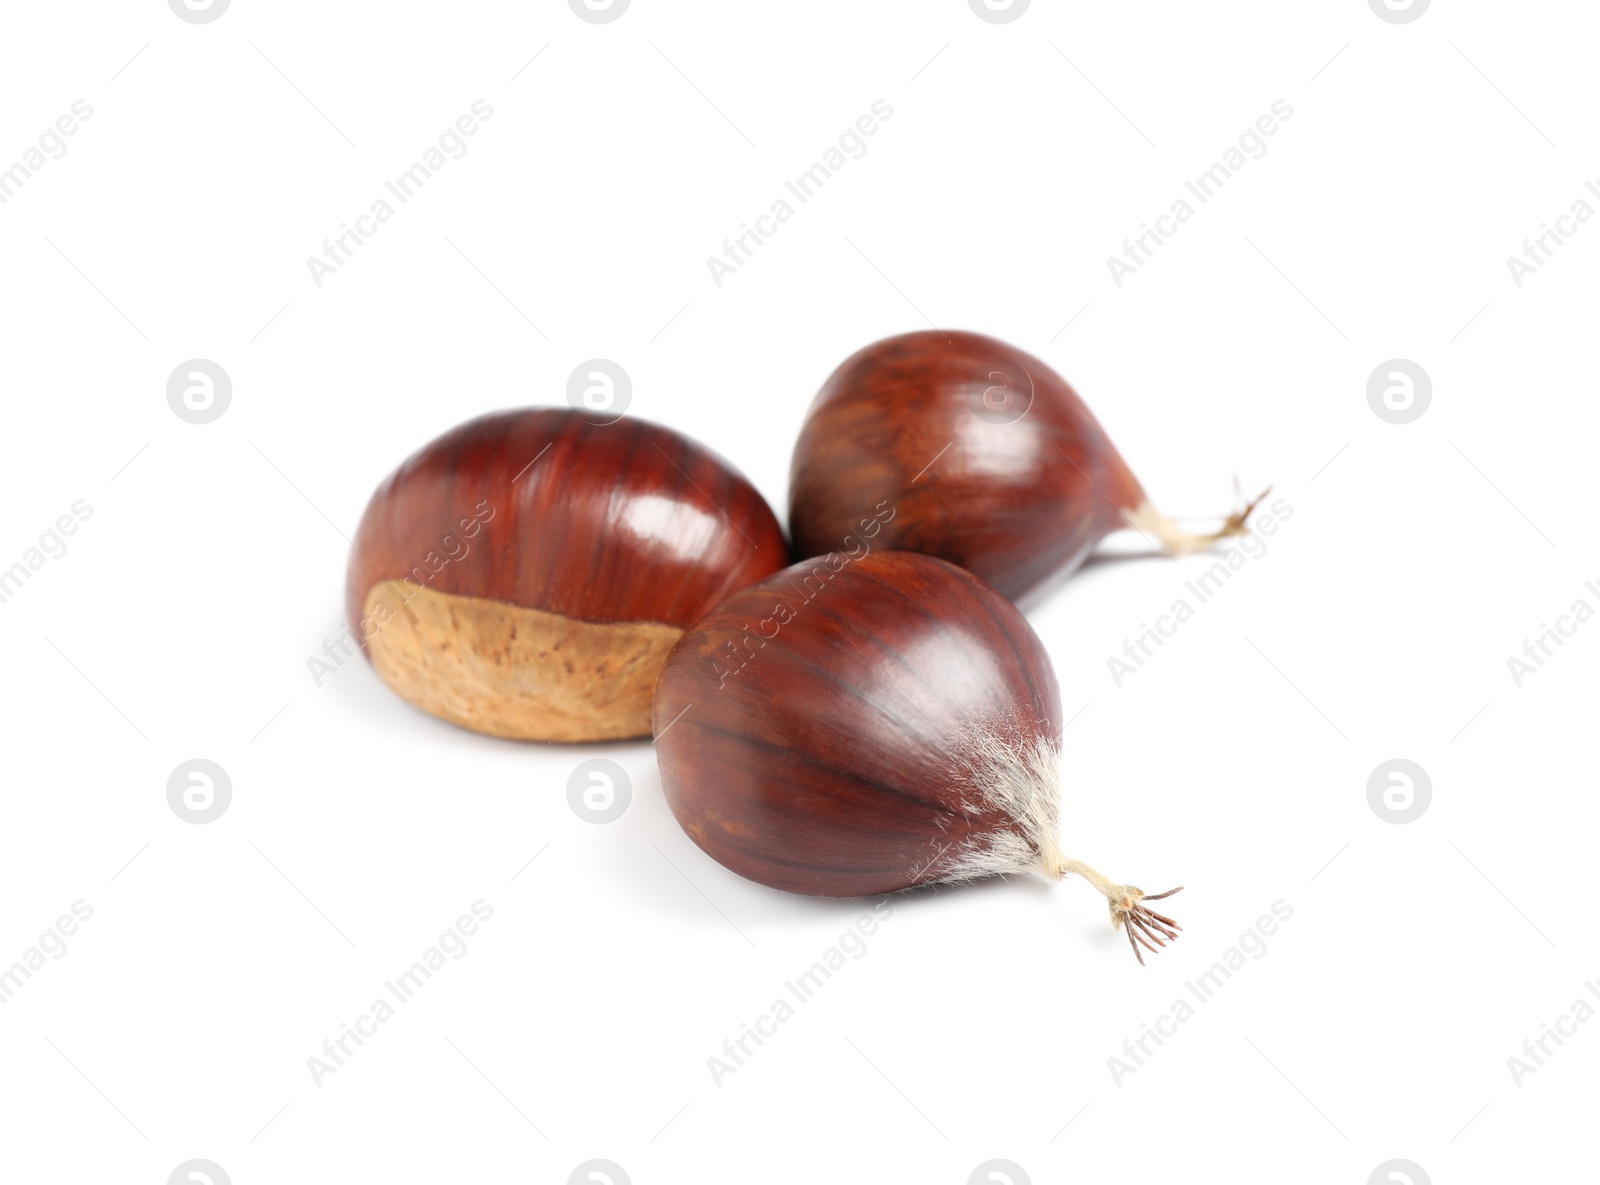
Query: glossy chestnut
x=526, y=573
x=988, y=458
x=871, y=721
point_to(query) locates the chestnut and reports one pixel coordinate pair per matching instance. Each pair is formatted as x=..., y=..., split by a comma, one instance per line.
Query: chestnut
x=525, y=574
x=871, y=721
x=984, y=456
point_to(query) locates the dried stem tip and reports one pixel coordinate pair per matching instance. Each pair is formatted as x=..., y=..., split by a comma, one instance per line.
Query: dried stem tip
x=1144, y=926
x=1175, y=540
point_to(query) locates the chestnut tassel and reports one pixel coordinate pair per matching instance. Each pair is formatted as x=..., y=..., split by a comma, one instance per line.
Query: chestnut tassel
x=872, y=721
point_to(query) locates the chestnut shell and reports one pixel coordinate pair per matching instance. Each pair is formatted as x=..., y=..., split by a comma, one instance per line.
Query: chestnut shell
x=525, y=574
x=988, y=458
x=594, y=519
x=812, y=730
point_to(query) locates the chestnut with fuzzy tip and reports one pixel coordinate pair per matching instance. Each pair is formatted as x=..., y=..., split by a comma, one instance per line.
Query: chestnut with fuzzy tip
x=872, y=721
x=989, y=458
x=526, y=573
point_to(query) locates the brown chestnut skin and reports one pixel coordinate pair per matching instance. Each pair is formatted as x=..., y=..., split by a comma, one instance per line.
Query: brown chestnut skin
x=526, y=573
x=987, y=456
x=810, y=729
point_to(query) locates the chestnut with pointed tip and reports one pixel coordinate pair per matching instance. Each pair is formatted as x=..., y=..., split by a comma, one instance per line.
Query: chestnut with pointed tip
x=989, y=459
x=872, y=721
x=525, y=574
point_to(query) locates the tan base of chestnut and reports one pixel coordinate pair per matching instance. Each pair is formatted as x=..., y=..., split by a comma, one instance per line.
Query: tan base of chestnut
x=508, y=671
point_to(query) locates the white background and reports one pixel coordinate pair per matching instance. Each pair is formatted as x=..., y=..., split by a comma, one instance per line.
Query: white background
x=979, y=1023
